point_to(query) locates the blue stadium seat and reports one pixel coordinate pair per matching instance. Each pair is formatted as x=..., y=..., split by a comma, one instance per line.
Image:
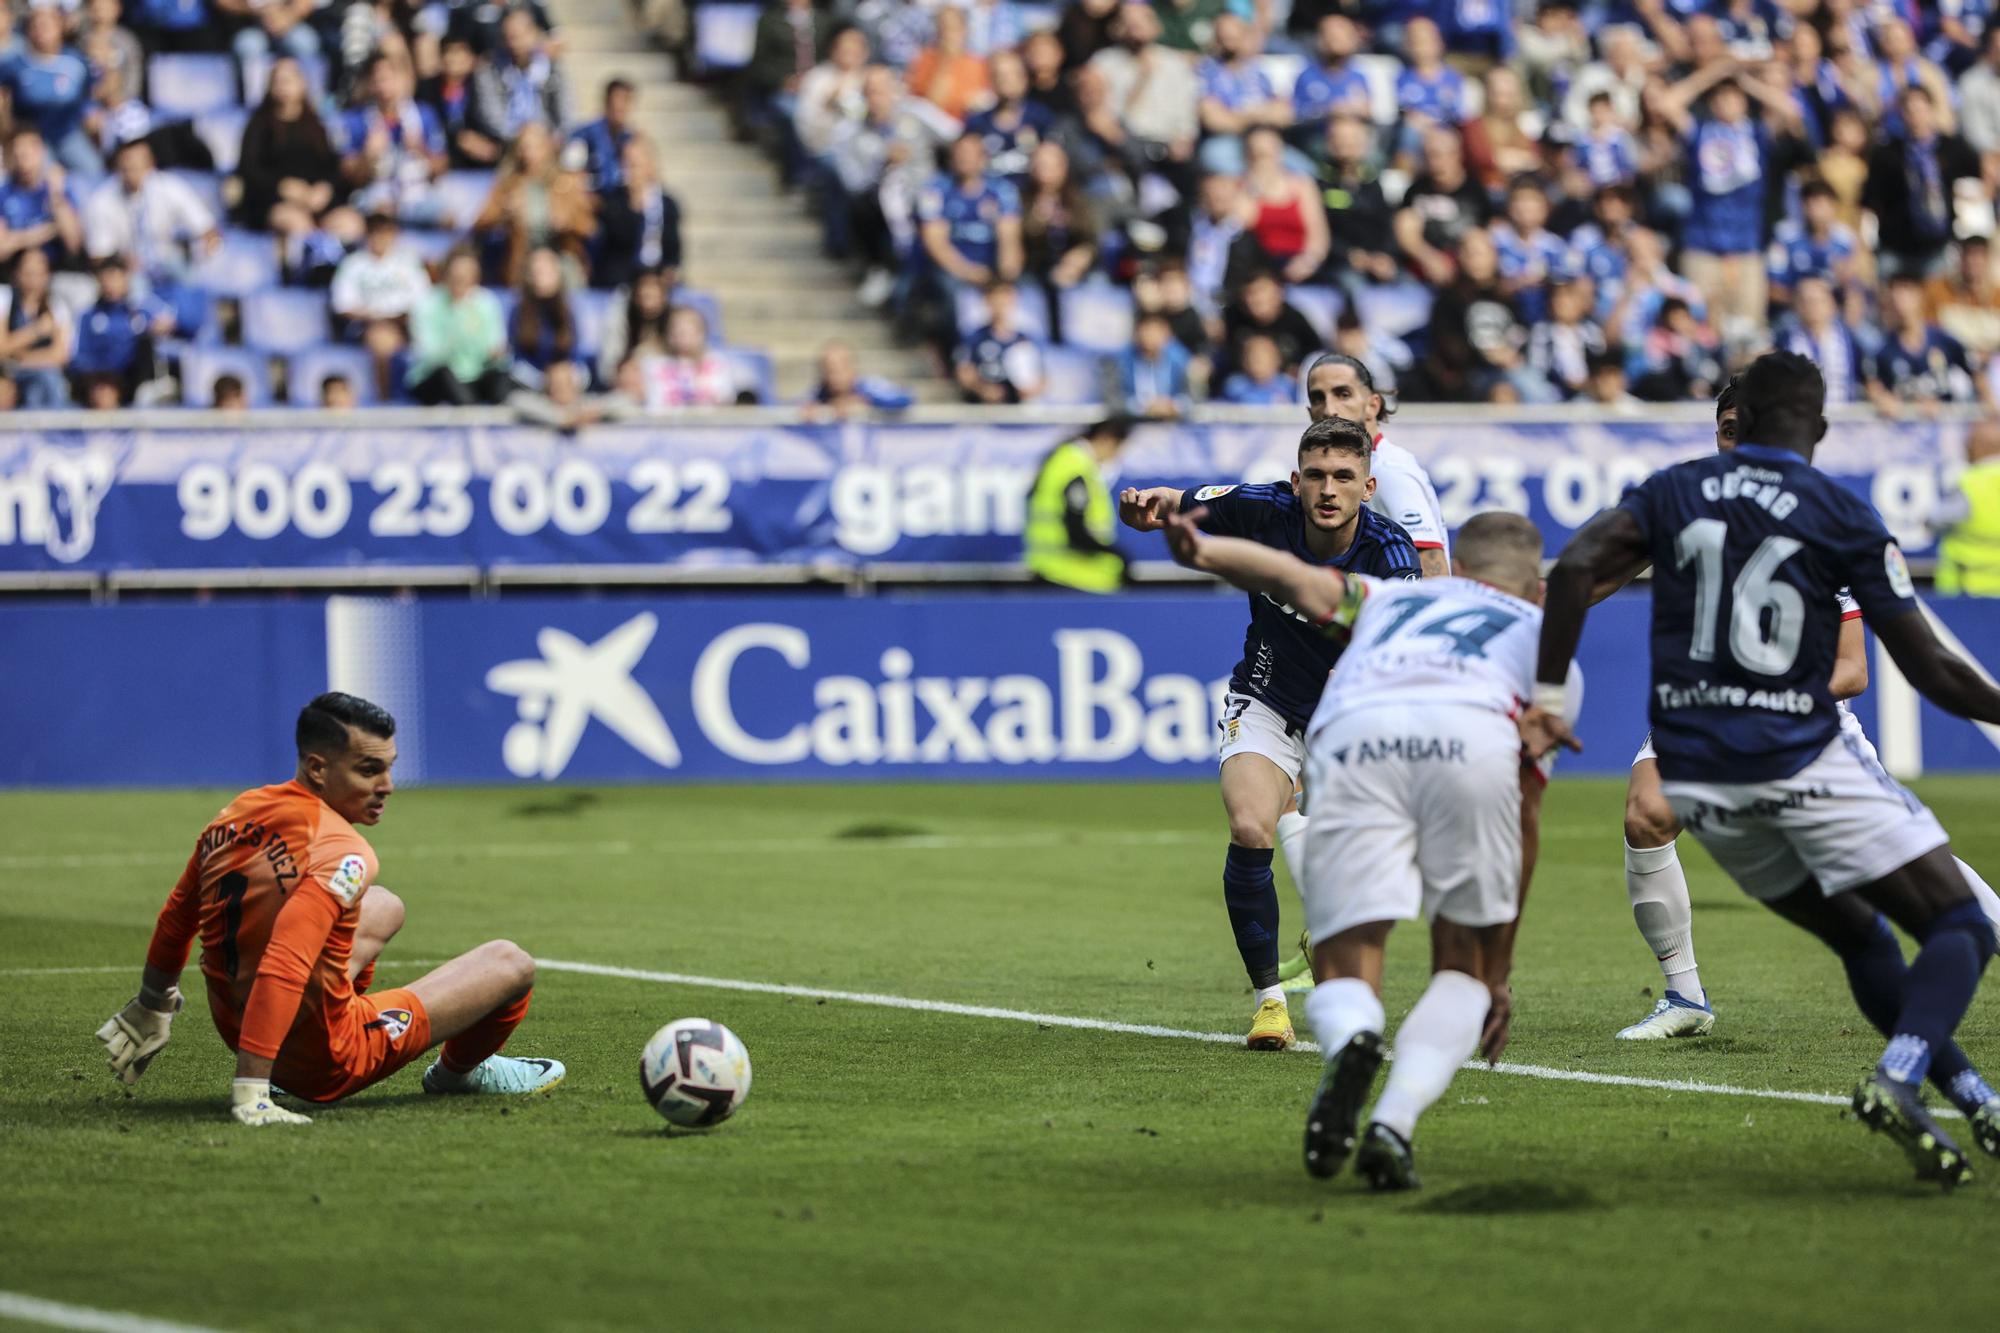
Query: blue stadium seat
x=724, y=36
x=1399, y=309
x=591, y=307
x=200, y=367
x=1321, y=307
x=246, y=262
x=463, y=194
x=285, y=320
x=1283, y=71
x=222, y=131
x=429, y=246
x=1072, y=378
x=183, y=87
x=1031, y=311
x=1097, y=316
x=309, y=369
x=207, y=187
x=753, y=371
x=257, y=78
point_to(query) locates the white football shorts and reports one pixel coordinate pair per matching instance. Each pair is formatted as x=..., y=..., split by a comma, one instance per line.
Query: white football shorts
x=1250, y=726
x=1416, y=811
x=1841, y=820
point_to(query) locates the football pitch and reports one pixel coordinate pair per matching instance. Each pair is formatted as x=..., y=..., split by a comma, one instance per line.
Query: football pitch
x=969, y=1160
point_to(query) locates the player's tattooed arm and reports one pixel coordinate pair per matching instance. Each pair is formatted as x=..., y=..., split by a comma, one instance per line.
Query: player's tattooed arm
x=1937, y=673
x=1148, y=510
x=1311, y=590
x=1433, y=562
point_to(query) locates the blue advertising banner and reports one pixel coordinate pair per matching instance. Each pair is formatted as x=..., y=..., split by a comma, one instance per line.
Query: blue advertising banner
x=986, y=686
x=705, y=496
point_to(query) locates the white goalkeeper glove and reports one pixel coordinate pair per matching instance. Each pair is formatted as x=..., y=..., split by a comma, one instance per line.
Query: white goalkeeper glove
x=250, y=1103
x=135, y=1034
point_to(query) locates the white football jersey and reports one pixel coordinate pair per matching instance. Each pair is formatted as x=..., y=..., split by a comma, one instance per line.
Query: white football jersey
x=1440, y=641
x=1404, y=494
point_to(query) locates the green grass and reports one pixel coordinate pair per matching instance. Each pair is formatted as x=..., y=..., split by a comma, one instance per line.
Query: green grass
x=917, y=1170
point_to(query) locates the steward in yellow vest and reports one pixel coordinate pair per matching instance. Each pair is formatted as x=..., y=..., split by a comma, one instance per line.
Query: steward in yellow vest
x=1969, y=555
x=1071, y=519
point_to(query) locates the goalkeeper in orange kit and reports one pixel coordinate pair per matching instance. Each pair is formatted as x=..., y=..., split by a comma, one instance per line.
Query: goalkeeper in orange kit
x=281, y=889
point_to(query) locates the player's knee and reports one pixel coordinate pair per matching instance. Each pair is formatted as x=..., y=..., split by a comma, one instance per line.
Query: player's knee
x=1649, y=821
x=383, y=912
x=513, y=963
x=1250, y=831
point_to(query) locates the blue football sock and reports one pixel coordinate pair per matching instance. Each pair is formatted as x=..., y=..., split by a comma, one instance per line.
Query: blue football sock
x=1939, y=989
x=1252, y=897
x=1876, y=974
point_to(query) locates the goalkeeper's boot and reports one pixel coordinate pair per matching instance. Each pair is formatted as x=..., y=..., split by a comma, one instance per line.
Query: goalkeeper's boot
x=1892, y=1108
x=1674, y=1016
x=496, y=1073
x=1985, y=1121
x=1336, y=1107
x=1385, y=1160
x=1270, y=1027
x=1296, y=974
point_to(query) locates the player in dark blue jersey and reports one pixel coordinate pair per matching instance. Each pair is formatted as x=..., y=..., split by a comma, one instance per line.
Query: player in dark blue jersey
x=1321, y=516
x=1748, y=549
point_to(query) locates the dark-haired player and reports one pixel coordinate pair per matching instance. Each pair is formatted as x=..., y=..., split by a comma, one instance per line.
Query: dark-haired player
x=1339, y=385
x=281, y=890
x=1322, y=517
x=1748, y=549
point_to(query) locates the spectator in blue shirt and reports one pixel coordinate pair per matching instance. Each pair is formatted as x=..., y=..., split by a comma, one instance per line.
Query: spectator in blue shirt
x=1815, y=245
x=114, y=340
x=1818, y=333
x=1236, y=97
x=48, y=87
x=1152, y=374
x=1013, y=127
x=450, y=96
x=1480, y=29
x=37, y=206
x=603, y=140
x=999, y=363
x=1261, y=382
x=394, y=148
x=844, y=392
x=969, y=223
x=1331, y=85
x=1921, y=366
x=172, y=25
x=1723, y=239
x=1531, y=256
x=1607, y=150
x=1429, y=92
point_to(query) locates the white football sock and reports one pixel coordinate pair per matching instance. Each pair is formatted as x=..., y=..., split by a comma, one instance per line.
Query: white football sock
x=1989, y=902
x=1268, y=993
x=1292, y=842
x=1658, y=889
x=1340, y=1009
x=1440, y=1034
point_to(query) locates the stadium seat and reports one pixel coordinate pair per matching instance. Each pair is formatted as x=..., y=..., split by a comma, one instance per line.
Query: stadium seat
x=724, y=36
x=1283, y=71
x=246, y=262
x=222, y=131
x=200, y=367
x=1397, y=310
x=309, y=369
x=257, y=78
x=1320, y=305
x=1071, y=377
x=463, y=194
x=1381, y=73
x=1097, y=316
x=186, y=87
x=1031, y=311
x=591, y=307
x=753, y=371
x=207, y=187
x=285, y=320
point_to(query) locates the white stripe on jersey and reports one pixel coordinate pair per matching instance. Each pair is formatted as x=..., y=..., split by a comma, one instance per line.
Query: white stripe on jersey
x=1404, y=494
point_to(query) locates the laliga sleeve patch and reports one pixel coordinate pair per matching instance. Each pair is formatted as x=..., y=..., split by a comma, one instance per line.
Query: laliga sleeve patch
x=1897, y=571
x=1212, y=493
x=348, y=879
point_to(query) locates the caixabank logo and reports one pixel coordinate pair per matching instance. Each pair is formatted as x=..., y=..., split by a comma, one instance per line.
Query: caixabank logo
x=1082, y=695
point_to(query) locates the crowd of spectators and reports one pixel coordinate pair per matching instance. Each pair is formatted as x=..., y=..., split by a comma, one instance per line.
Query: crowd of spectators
x=241, y=201
x=1614, y=201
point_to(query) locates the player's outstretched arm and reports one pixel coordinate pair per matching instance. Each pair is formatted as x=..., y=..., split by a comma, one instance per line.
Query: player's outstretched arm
x=1311, y=590
x=1148, y=510
x=1936, y=672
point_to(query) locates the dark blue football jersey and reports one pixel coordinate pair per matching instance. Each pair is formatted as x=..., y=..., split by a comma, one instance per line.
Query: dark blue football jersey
x=1750, y=549
x=1286, y=659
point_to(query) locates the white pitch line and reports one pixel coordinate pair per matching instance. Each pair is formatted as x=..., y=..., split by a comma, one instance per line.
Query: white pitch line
x=56, y=1314
x=1153, y=1030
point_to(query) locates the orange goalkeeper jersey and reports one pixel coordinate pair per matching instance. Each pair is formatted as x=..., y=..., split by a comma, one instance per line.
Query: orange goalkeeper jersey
x=274, y=889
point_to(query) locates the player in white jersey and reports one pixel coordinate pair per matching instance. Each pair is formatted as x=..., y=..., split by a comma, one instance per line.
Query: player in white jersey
x=1421, y=807
x=1655, y=883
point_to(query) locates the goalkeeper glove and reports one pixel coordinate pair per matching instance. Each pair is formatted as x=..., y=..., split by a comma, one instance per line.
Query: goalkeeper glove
x=137, y=1033
x=250, y=1103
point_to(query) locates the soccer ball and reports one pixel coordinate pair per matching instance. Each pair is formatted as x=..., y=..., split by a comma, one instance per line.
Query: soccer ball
x=695, y=1073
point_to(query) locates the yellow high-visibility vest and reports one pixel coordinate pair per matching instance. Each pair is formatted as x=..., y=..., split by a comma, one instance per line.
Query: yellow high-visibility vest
x=1969, y=555
x=1045, y=538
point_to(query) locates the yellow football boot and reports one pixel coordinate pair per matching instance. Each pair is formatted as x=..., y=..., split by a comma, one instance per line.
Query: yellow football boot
x=1271, y=1027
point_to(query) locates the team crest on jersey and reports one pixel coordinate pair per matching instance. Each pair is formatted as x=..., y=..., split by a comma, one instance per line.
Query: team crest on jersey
x=1212, y=493
x=1897, y=571
x=393, y=1022
x=348, y=879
